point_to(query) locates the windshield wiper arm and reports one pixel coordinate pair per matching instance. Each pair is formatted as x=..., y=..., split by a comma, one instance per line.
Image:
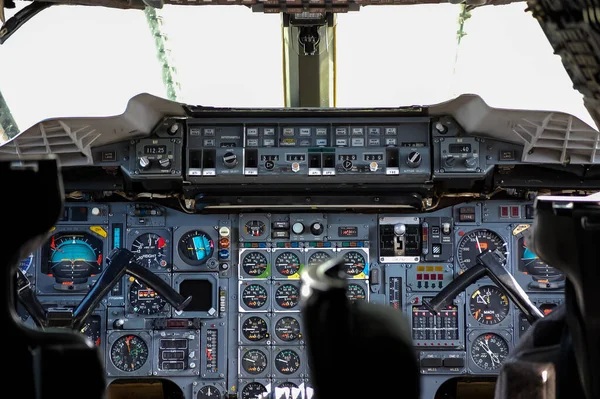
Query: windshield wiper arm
x=19, y=19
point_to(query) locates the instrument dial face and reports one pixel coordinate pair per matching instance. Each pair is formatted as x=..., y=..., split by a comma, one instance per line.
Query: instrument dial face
x=354, y=263
x=287, y=264
x=287, y=329
x=475, y=242
x=254, y=390
x=208, y=392
x=530, y=263
x=355, y=292
x=144, y=300
x=254, y=264
x=195, y=247
x=92, y=329
x=129, y=353
x=74, y=257
x=317, y=258
x=287, y=362
x=488, y=305
x=254, y=296
x=255, y=329
x=287, y=390
x=489, y=351
x=255, y=228
x=26, y=263
x=287, y=296
x=151, y=250
x=254, y=361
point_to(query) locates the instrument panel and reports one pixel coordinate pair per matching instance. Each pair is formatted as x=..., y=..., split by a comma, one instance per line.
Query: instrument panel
x=243, y=332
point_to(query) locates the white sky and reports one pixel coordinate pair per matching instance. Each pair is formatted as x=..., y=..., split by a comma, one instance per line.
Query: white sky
x=76, y=61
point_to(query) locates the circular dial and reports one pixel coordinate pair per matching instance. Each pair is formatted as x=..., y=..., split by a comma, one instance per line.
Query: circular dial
x=474, y=243
x=129, y=353
x=287, y=264
x=354, y=263
x=195, y=247
x=254, y=361
x=255, y=329
x=488, y=351
x=92, y=329
x=287, y=362
x=287, y=390
x=208, y=392
x=151, y=250
x=530, y=263
x=144, y=300
x=26, y=263
x=254, y=264
x=287, y=329
x=255, y=228
x=489, y=305
x=73, y=257
x=254, y=296
x=317, y=258
x=287, y=296
x=254, y=390
x=355, y=292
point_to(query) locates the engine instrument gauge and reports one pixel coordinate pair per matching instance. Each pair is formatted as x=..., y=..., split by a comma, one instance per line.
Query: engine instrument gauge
x=354, y=263
x=287, y=329
x=287, y=362
x=254, y=361
x=254, y=296
x=355, y=292
x=317, y=258
x=26, y=263
x=92, y=329
x=488, y=351
x=254, y=264
x=488, y=305
x=129, y=353
x=151, y=250
x=208, y=392
x=287, y=264
x=287, y=296
x=530, y=263
x=254, y=390
x=255, y=228
x=287, y=390
x=475, y=242
x=195, y=247
x=72, y=257
x=255, y=329
x=143, y=299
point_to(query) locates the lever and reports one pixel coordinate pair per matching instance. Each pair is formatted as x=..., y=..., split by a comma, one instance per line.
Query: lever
x=29, y=301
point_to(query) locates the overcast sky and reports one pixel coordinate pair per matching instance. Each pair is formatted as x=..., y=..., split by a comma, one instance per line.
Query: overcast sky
x=71, y=60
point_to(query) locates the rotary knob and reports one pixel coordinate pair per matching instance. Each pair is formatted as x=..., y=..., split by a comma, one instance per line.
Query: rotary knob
x=470, y=162
x=316, y=229
x=298, y=228
x=414, y=159
x=450, y=161
x=230, y=160
x=144, y=163
x=165, y=163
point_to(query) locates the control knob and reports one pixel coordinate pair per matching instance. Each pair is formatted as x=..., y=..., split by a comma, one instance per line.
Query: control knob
x=230, y=160
x=450, y=161
x=470, y=162
x=298, y=228
x=144, y=163
x=414, y=159
x=316, y=229
x=165, y=163
x=399, y=229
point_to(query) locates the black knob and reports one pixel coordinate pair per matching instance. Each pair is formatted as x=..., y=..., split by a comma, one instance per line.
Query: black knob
x=414, y=159
x=316, y=229
x=230, y=160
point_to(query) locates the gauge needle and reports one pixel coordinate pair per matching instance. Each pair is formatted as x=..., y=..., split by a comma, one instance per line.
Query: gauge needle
x=478, y=244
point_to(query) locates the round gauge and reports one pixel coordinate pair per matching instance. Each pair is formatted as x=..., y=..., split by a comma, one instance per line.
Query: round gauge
x=287, y=329
x=26, y=263
x=488, y=351
x=254, y=361
x=317, y=258
x=255, y=228
x=355, y=292
x=144, y=300
x=287, y=362
x=195, y=247
x=530, y=263
x=489, y=305
x=255, y=329
x=474, y=243
x=151, y=250
x=254, y=264
x=254, y=296
x=287, y=296
x=287, y=264
x=286, y=390
x=254, y=390
x=92, y=330
x=354, y=263
x=72, y=258
x=129, y=353
x=208, y=392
